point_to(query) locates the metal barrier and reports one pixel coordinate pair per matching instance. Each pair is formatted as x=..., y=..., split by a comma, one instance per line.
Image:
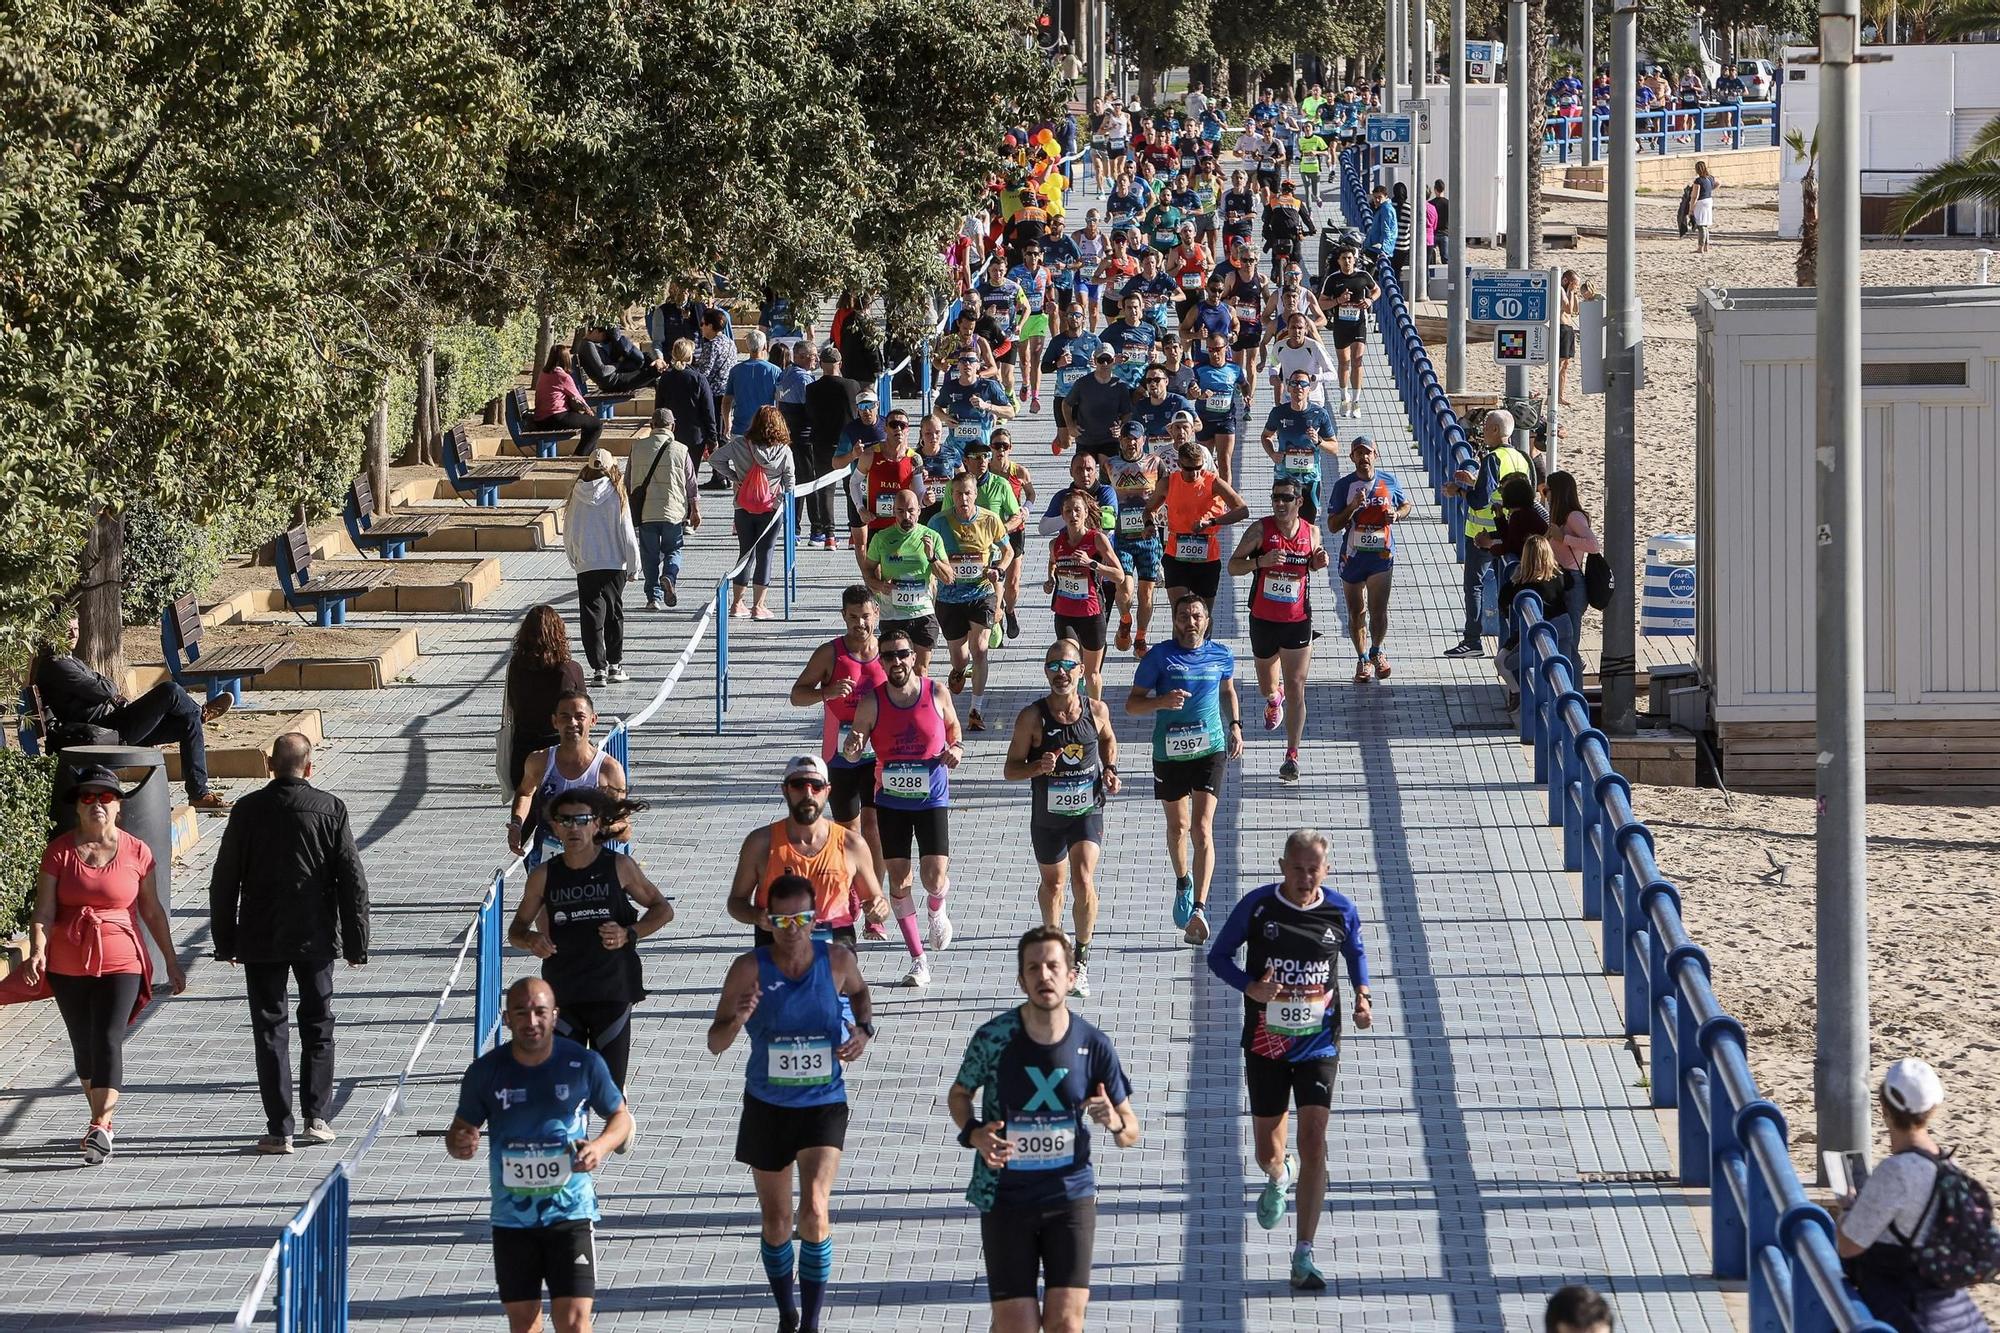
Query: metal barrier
x=1731, y=1139
x=1704, y=129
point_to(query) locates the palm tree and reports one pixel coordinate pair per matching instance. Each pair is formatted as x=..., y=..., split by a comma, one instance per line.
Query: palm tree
x=1806, y=269
x=1972, y=179
x=1964, y=18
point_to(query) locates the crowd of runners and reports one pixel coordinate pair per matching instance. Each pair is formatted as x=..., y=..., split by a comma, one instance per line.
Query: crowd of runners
x=1150, y=329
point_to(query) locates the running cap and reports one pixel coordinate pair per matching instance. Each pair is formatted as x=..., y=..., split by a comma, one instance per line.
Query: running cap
x=1137, y=428
x=1362, y=442
x=1912, y=1086
x=1103, y=355
x=866, y=398
x=95, y=778
x=806, y=765
x=1179, y=417
x=978, y=447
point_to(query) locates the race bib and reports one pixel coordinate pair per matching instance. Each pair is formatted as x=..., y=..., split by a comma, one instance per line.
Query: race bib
x=1067, y=377
x=1072, y=585
x=1187, y=742
x=1137, y=354
x=1073, y=796
x=968, y=568
x=909, y=781
x=885, y=505
x=1117, y=145
x=1219, y=404
x=933, y=489
x=1347, y=314
x=535, y=1170
x=1371, y=539
x=1247, y=313
x=965, y=432
x=1299, y=1016
x=1191, y=281
x=1280, y=587
x=1042, y=1142
x=1191, y=549
x=1132, y=522
x=800, y=1062
x=910, y=594
x=1300, y=460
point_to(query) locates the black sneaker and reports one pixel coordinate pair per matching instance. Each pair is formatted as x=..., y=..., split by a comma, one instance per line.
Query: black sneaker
x=1013, y=626
x=715, y=484
x=1468, y=649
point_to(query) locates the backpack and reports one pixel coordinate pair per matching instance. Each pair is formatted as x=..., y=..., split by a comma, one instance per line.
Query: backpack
x=1598, y=581
x=1962, y=1247
x=754, y=494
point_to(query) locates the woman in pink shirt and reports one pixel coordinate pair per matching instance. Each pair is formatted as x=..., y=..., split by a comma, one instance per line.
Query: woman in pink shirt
x=1571, y=538
x=560, y=405
x=84, y=945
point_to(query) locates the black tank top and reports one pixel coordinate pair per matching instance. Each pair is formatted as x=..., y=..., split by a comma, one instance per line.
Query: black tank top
x=582, y=970
x=1076, y=788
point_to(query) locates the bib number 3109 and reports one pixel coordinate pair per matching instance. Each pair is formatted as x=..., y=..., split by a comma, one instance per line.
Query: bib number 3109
x=535, y=1169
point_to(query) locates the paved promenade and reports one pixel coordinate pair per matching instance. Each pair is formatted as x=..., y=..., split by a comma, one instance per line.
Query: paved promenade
x=1471, y=1124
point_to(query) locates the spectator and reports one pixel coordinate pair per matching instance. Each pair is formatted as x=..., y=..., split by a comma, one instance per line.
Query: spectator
x=539, y=671
x=751, y=386
x=1381, y=238
x=603, y=549
x=1406, y=234
x=1571, y=538
x=1536, y=573
x=84, y=946
x=760, y=464
x=77, y=698
x=1577, y=1309
x=1701, y=211
x=1441, y=248
x=830, y=406
x=560, y=405
x=286, y=896
x=613, y=362
x=665, y=505
x=714, y=351
x=1894, y=1210
x=685, y=394
x=1498, y=461
x=1524, y=518
x=1571, y=311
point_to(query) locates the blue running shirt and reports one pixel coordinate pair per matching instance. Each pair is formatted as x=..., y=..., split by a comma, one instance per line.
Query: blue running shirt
x=532, y=1115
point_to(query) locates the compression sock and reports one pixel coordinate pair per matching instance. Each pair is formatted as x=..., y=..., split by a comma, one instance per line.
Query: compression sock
x=815, y=1268
x=778, y=1264
x=936, y=900
x=905, y=909
x=979, y=700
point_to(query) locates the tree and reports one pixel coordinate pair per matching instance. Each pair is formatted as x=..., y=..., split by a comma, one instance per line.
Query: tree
x=1162, y=34
x=1959, y=19
x=1806, y=268
x=1972, y=179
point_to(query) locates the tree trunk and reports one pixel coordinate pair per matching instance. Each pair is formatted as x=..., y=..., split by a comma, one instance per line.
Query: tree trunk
x=1538, y=83
x=1239, y=81
x=1149, y=79
x=375, y=451
x=100, y=612
x=426, y=429
x=545, y=337
x=1807, y=267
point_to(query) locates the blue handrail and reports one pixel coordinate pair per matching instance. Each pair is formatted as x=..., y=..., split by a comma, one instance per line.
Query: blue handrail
x=1730, y=1138
x=1705, y=129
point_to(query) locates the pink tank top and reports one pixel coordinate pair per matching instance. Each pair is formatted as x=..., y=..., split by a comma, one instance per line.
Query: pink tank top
x=1280, y=593
x=838, y=713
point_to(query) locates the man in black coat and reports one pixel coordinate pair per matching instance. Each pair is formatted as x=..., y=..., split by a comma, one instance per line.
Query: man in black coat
x=830, y=405
x=287, y=897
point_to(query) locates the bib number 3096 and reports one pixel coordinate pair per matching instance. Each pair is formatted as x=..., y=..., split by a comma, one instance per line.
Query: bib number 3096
x=1042, y=1142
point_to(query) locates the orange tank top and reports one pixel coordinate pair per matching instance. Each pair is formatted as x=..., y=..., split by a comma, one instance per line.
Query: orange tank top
x=831, y=877
x=1188, y=502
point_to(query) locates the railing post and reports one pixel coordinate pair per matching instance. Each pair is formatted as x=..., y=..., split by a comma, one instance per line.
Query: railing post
x=1689, y=1056
x=486, y=970
x=1661, y=1002
x=721, y=653
x=1638, y=932
x=1601, y=861
x=791, y=548
x=1524, y=673
x=1762, y=1223
x=924, y=373
x=1727, y=1236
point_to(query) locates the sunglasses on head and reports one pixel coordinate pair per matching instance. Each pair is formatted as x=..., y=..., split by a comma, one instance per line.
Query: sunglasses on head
x=573, y=821
x=793, y=920
x=898, y=654
x=804, y=784
x=96, y=797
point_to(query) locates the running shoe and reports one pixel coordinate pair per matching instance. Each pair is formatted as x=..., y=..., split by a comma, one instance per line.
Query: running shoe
x=318, y=1132
x=1305, y=1274
x=1274, y=710
x=1139, y=646
x=1081, y=986
x=1034, y=402
x=96, y=1144
x=975, y=721
x=955, y=682
x=1197, y=931
x=919, y=975
x=1381, y=664
x=941, y=930
x=1183, y=901
x=996, y=636
x=271, y=1145
x=1124, y=633
x=1013, y=624
x=1466, y=649
x=1362, y=674
x=1271, y=1203
x=616, y=674
x=1289, y=770
x=876, y=930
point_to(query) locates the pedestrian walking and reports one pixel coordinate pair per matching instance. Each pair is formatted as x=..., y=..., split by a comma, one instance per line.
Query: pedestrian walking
x=287, y=896
x=666, y=506
x=761, y=466
x=603, y=549
x=1701, y=209
x=540, y=670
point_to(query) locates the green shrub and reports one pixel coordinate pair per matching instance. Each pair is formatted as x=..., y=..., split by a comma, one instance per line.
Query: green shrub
x=166, y=555
x=25, y=828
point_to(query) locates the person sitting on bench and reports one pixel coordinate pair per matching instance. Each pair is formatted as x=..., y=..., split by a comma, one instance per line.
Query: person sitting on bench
x=560, y=405
x=74, y=696
x=614, y=363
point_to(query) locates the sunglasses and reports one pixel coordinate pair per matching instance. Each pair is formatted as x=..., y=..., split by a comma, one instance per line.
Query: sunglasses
x=573, y=821
x=1062, y=664
x=1301, y=384
x=1000, y=446
x=804, y=784
x=898, y=425
x=898, y=654
x=1284, y=497
x=793, y=920
x=96, y=797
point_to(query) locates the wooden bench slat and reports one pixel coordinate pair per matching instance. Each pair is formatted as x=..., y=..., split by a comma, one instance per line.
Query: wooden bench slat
x=246, y=659
x=405, y=525
x=343, y=582
x=499, y=471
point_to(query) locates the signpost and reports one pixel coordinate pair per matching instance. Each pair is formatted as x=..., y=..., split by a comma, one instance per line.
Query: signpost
x=1419, y=109
x=1508, y=296
x=1385, y=129
x=1527, y=320
x=1480, y=60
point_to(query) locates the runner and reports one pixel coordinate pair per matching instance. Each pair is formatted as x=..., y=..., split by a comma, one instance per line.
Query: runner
x=548, y=774
x=1280, y=552
x=1300, y=351
x=1155, y=288
x=883, y=470
x=1243, y=287
x=967, y=406
x=1130, y=338
x=836, y=860
x=1208, y=314
x=1222, y=394
x=1114, y=270
x=535, y=1092
x=1345, y=296
x=1364, y=504
x=902, y=566
x=1094, y=408
x=578, y=916
x=975, y=544
x=1296, y=433
x=809, y=1015
x=1292, y=932
x=1002, y=300
x=1134, y=474
x=918, y=743
x=1090, y=250
x=1032, y=1179
x=838, y=673
x=1154, y=407
x=1198, y=505
x=1020, y=493
x=1036, y=286
x=1187, y=685
x=1081, y=559
x=1064, y=747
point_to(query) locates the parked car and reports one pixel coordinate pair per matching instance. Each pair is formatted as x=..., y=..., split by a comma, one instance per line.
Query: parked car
x=1760, y=80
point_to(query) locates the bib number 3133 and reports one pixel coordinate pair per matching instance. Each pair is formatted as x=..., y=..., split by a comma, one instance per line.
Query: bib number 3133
x=800, y=1062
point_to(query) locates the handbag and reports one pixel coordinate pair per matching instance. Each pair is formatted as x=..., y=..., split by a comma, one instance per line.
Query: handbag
x=638, y=493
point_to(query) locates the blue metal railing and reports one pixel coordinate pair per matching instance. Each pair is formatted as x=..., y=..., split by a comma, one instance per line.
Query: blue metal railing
x=1706, y=129
x=1731, y=1139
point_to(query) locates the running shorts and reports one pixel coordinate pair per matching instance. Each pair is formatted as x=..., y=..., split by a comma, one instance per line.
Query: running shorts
x=1177, y=779
x=561, y=1256
x=850, y=791
x=1211, y=427
x=1276, y=1086
x=1088, y=631
x=930, y=829
x=1035, y=326
x=1200, y=577
x=923, y=631
x=1049, y=1244
x=956, y=619
x=1140, y=559
x=1249, y=337
x=1053, y=841
x=1270, y=637
x=770, y=1138
x=1365, y=565
x=1348, y=332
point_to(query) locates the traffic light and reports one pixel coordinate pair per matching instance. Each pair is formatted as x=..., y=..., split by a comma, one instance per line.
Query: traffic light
x=1047, y=34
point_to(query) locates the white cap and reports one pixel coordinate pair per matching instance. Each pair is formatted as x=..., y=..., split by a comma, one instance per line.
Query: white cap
x=1912, y=1087
x=807, y=765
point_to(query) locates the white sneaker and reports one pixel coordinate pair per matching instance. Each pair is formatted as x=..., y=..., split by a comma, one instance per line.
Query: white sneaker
x=941, y=931
x=919, y=975
x=1081, y=986
x=616, y=675
x=597, y=678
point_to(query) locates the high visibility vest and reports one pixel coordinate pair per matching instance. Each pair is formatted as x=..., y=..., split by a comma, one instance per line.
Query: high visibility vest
x=1480, y=522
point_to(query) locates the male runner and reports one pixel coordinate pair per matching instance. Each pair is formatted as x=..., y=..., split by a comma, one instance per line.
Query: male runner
x=886, y=468
x=573, y=761
x=535, y=1091
x=1280, y=552
x=1032, y=1179
x=1221, y=392
x=1154, y=407
x=808, y=1014
x=1130, y=337
x=1134, y=475
x=1002, y=493
x=1296, y=433
x=1063, y=746
x=1344, y=297
x=1293, y=930
x=914, y=730
x=835, y=860
x=1198, y=504
x=976, y=546
x=1187, y=686
x=1094, y=408
x=967, y=406
x=1299, y=352
x=1363, y=505
x=902, y=566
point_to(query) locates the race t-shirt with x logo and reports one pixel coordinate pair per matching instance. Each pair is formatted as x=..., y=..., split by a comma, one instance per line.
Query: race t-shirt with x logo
x=1039, y=1091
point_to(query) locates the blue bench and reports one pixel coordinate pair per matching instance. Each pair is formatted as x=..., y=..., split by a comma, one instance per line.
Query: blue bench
x=327, y=594
x=221, y=672
x=32, y=723
x=388, y=535
x=482, y=481
x=530, y=439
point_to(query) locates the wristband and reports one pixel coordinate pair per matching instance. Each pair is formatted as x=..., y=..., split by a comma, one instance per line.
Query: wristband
x=965, y=1135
